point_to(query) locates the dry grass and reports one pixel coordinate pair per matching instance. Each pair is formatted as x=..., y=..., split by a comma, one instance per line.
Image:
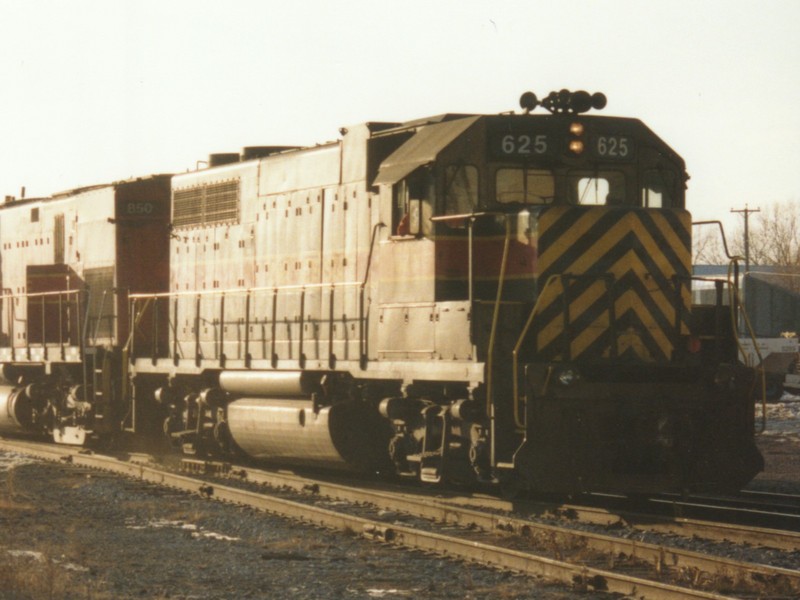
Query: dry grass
x=7, y=491
x=38, y=577
x=10, y=504
x=10, y=498
x=27, y=574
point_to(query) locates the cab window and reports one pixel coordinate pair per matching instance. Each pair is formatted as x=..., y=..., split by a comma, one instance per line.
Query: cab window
x=411, y=204
x=460, y=189
x=658, y=189
x=597, y=188
x=528, y=186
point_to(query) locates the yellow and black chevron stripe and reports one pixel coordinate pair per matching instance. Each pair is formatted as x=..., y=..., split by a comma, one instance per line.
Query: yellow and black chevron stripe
x=623, y=288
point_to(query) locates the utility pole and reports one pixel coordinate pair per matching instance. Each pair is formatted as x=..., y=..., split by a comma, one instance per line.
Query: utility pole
x=746, y=211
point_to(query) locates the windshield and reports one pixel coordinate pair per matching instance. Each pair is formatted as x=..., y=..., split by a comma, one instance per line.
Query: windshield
x=529, y=186
x=596, y=187
x=658, y=188
x=461, y=189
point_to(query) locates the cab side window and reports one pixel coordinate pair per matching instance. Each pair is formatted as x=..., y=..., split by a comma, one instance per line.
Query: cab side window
x=658, y=189
x=412, y=198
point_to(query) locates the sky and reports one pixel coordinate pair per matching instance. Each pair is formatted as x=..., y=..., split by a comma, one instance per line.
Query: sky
x=93, y=91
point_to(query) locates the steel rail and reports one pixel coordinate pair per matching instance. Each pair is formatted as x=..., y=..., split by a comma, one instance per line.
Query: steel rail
x=657, y=555
x=444, y=545
x=751, y=500
x=674, y=525
x=732, y=510
x=433, y=507
x=778, y=539
x=759, y=526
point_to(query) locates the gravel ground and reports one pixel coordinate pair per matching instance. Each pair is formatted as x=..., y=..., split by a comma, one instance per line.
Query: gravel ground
x=71, y=533
x=780, y=445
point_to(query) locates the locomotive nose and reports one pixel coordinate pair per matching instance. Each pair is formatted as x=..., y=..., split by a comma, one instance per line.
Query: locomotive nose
x=666, y=432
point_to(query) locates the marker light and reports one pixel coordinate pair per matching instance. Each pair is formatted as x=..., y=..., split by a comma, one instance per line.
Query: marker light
x=576, y=146
x=568, y=377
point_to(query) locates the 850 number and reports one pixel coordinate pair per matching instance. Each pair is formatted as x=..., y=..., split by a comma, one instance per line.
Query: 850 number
x=140, y=208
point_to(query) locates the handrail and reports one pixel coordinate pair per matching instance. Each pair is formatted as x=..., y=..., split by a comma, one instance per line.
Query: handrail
x=37, y=294
x=471, y=218
x=275, y=292
x=736, y=302
x=518, y=421
x=515, y=353
x=228, y=291
x=11, y=320
x=367, y=271
x=13, y=299
x=137, y=317
x=247, y=294
x=734, y=259
x=495, y=318
x=362, y=334
x=734, y=293
x=99, y=315
x=722, y=233
x=471, y=215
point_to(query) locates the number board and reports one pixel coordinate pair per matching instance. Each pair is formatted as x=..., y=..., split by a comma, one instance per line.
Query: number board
x=140, y=209
x=530, y=144
x=520, y=144
x=615, y=147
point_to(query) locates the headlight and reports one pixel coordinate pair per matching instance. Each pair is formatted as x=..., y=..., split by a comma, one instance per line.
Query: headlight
x=568, y=376
x=576, y=129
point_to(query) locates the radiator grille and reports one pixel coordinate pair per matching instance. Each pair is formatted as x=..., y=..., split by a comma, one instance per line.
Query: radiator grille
x=208, y=204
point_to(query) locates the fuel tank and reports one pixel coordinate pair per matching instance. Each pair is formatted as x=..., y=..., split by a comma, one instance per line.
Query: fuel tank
x=16, y=410
x=349, y=435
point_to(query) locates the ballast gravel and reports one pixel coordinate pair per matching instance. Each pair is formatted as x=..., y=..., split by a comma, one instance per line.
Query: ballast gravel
x=71, y=533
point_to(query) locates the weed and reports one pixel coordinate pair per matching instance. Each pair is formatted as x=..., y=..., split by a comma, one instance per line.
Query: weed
x=34, y=576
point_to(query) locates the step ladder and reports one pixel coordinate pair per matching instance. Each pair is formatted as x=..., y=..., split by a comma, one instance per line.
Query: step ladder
x=98, y=384
x=435, y=444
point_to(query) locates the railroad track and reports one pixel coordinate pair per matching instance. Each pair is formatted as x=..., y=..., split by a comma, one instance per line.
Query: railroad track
x=588, y=560
x=767, y=510
x=790, y=501
x=668, y=519
x=784, y=505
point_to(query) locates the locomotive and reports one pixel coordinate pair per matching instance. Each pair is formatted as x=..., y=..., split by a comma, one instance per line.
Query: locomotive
x=474, y=298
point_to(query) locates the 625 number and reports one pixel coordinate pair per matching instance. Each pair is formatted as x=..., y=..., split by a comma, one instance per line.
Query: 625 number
x=523, y=145
x=608, y=146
